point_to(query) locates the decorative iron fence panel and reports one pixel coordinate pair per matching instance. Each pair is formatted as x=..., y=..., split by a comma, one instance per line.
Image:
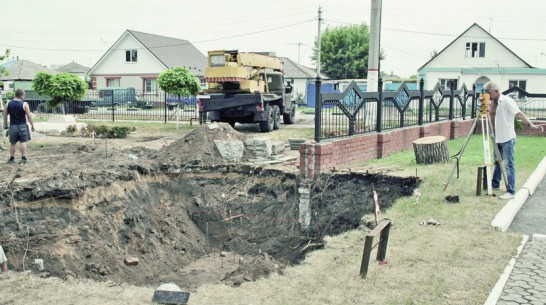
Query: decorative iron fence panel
x=532, y=104
x=348, y=113
x=157, y=106
x=354, y=112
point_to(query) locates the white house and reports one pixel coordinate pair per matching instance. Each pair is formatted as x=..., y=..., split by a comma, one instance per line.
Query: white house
x=136, y=59
x=301, y=75
x=73, y=68
x=476, y=57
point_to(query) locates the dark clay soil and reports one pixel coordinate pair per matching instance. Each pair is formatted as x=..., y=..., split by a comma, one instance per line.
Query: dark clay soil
x=181, y=213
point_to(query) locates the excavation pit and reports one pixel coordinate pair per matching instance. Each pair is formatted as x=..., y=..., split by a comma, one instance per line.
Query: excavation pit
x=182, y=218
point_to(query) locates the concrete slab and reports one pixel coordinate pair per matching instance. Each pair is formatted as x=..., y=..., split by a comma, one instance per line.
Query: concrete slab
x=55, y=127
x=231, y=151
x=62, y=119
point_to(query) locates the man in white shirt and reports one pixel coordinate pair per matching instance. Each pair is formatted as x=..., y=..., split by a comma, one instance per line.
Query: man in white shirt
x=502, y=112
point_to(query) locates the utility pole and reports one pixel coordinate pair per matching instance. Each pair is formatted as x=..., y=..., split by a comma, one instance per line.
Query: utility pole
x=318, y=41
x=318, y=105
x=299, y=46
x=375, y=46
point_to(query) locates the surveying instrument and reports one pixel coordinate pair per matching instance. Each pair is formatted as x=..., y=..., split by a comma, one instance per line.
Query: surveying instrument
x=487, y=134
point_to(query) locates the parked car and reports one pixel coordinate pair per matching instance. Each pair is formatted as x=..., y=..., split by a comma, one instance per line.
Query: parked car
x=120, y=96
x=173, y=101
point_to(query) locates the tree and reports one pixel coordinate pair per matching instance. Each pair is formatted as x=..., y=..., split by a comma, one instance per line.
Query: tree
x=433, y=54
x=4, y=71
x=179, y=81
x=62, y=87
x=344, y=51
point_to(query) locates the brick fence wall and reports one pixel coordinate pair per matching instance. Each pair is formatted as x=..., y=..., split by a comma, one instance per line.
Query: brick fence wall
x=316, y=158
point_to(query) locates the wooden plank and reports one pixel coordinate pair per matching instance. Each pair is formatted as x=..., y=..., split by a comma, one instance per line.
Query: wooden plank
x=379, y=227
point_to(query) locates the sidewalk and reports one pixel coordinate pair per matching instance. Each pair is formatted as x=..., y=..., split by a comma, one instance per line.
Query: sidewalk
x=524, y=279
x=527, y=281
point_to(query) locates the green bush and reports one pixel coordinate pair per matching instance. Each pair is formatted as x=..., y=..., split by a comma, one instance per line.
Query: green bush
x=517, y=125
x=103, y=131
x=118, y=132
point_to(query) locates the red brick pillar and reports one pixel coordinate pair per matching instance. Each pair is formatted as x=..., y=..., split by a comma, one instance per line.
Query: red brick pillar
x=315, y=159
x=384, y=144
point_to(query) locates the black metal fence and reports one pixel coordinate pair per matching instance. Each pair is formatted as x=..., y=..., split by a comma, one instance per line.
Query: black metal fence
x=532, y=104
x=355, y=112
x=128, y=105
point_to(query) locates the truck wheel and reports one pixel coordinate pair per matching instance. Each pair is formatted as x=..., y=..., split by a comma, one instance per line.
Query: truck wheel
x=267, y=126
x=276, y=117
x=290, y=117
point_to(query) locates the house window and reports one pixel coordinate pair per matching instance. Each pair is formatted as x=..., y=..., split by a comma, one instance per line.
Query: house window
x=112, y=82
x=130, y=55
x=475, y=49
x=518, y=83
x=150, y=85
x=445, y=82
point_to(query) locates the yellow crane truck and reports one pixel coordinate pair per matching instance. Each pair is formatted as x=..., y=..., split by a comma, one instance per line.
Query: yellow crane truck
x=246, y=88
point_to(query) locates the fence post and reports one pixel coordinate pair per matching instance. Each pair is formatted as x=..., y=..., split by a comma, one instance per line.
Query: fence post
x=113, y=107
x=165, y=105
x=382, y=229
x=473, y=111
x=379, y=103
x=318, y=108
x=451, y=99
x=421, y=100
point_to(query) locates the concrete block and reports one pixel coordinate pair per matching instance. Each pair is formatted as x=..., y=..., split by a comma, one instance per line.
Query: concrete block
x=131, y=261
x=61, y=119
x=261, y=147
x=277, y=147
x=231, y=151
x=170, y=294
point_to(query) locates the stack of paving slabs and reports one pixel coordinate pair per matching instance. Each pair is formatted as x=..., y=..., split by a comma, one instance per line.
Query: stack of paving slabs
x=295, y=143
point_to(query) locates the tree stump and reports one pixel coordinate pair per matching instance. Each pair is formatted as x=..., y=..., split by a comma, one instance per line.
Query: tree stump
x=430, y=150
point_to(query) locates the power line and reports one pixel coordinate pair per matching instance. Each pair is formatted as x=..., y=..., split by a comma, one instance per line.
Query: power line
x=170, y=45
x=440, y=34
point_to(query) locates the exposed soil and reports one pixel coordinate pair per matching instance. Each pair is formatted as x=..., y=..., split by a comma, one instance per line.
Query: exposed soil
x=186, y=215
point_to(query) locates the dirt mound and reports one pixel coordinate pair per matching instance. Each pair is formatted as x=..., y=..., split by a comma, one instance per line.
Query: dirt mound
x=253, y=269
x=198, y=148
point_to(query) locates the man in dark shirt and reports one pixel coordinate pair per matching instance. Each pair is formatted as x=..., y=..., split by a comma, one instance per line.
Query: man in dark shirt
x=18, y=112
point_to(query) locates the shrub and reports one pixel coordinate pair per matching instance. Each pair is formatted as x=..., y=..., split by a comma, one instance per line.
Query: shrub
x=72, y=128
x=103, y=131
x=119, y=132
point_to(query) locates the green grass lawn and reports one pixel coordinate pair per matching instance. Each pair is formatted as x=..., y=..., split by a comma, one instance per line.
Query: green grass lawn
x=457, y=262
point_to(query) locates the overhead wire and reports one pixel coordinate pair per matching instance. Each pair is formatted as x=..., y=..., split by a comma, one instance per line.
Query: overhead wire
x=169, y=45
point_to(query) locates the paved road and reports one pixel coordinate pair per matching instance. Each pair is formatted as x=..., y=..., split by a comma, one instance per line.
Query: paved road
x=527, y=281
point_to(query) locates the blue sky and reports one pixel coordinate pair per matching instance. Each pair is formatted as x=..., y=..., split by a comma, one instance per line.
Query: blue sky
x=61, y=31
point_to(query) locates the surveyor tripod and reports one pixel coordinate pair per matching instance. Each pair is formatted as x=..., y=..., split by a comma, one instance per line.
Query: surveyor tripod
x=487, y=134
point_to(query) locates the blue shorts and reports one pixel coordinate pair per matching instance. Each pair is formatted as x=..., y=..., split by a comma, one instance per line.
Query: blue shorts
x=18, y=133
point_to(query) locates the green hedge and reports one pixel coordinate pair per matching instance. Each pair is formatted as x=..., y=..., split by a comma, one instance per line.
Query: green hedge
x=117, y=132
